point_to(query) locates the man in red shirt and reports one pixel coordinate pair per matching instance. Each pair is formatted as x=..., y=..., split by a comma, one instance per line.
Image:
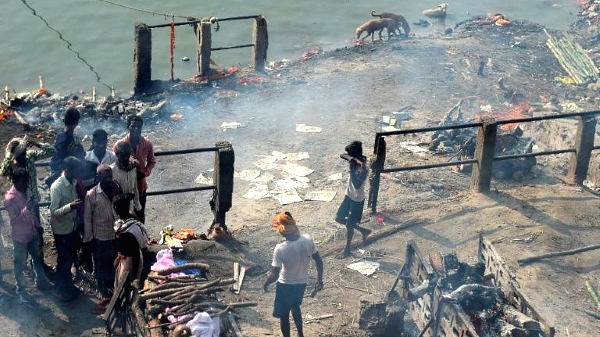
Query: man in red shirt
x=143, y=153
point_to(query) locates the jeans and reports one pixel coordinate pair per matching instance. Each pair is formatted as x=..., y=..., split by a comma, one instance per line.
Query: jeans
x=67, y=246
x=20, y=251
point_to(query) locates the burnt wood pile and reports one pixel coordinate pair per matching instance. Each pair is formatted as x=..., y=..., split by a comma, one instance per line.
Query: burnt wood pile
x=447, y=297
x=460, y=143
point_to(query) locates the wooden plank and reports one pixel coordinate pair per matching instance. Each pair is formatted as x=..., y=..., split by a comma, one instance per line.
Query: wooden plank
x=110, y=315
x=234, y=326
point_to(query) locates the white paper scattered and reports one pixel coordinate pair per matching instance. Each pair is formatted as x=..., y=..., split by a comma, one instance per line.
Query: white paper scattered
x=256, y=192
x=288, y=197
x=402, y=115
x=285, y=184
x=335, y=176
x=303, y=180
x=320, y=195
x=248, y=175
x=266, y=163
x=264, y=178
x=388, y=128
x=295, y=169
x=290, y=184
x=364, y=267
x=307, y=128
x=204, y=178
x=290, y=156
x=230, y=125
x=297, y=156
x=413, y=147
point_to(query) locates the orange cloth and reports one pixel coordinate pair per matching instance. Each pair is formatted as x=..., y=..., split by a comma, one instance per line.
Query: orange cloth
x=185, y=234
x=284, y=224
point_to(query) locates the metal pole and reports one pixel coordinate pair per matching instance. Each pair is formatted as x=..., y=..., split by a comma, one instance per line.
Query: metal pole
x=181, y=190
x=377, y=167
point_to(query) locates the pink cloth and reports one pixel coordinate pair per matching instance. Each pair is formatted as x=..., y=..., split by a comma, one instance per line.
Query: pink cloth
x=164, y=260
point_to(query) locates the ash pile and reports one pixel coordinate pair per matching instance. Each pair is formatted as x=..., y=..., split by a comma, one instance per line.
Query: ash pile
x=510, y=141
x=447, y=297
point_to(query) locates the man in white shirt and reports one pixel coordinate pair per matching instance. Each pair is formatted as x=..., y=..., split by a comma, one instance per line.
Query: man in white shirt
x=290, y=269
x=98, y=154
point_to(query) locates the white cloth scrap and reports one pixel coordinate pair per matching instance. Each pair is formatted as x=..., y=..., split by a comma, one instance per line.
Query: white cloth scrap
x=230, y=125
x=413, y=147
x=335, y=176
x=307, y=128
x=364, y=267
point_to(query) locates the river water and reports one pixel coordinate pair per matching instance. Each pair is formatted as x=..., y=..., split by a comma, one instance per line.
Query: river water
x=79, y=44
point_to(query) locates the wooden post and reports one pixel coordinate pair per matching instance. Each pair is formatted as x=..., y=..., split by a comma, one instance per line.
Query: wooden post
x=203, y=48
x=584, y=144
x=376, y=167
x=484, y=154
x=142, y=58
x=223, y=179
x=260, y=39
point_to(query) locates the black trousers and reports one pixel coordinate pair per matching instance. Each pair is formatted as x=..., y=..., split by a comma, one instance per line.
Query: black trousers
x=67, y=246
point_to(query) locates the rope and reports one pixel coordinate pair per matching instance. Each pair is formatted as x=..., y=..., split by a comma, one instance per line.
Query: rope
x=69, y=44
x=172, y=45
x=144, y=10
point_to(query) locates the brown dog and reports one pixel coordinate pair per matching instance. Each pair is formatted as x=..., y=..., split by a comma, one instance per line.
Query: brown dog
x=376, y=25
x=399, y=19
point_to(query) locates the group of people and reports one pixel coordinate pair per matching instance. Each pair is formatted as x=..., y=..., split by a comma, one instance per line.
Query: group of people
x=97, y=207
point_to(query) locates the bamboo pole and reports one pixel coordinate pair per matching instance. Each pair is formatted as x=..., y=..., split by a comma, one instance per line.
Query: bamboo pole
x=593, y=294
x=555, y=254
x=589, y=62
x=562, y=61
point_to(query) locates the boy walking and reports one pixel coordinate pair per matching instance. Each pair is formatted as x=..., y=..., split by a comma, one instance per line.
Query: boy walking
x=350, y=211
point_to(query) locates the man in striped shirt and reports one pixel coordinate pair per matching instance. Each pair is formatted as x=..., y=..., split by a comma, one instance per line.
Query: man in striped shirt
x=99, y=218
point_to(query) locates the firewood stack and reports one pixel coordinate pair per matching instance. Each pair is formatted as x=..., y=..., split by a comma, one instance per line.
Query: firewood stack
x=182, y=297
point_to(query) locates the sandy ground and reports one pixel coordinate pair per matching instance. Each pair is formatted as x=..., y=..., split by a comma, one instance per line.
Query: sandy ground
x=347, y=92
